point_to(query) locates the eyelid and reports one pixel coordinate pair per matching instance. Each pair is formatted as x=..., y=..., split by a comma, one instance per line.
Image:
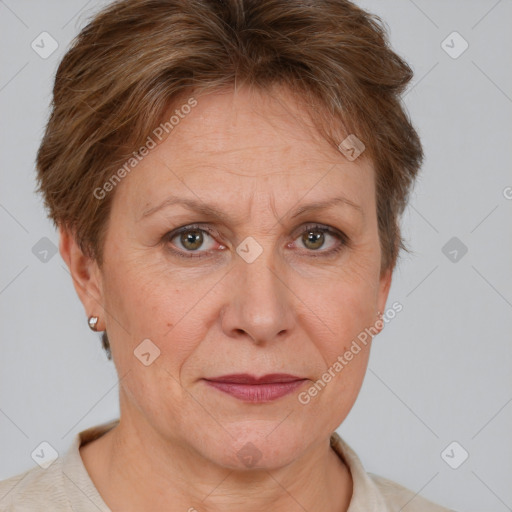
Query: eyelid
x=190, y=227
x=343, y=239
x=320, y=227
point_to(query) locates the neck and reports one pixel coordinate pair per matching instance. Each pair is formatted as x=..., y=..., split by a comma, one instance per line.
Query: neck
x=133, y=472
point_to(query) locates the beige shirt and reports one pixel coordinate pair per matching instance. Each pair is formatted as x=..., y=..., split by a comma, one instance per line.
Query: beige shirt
x=65, y=486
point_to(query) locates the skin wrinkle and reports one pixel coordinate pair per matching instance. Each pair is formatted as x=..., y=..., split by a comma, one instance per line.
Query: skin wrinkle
x=178, y=439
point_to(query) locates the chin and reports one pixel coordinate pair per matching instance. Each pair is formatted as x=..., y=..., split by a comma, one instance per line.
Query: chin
x=257, y=444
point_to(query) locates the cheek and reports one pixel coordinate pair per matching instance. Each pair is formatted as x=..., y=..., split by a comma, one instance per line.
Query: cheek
x=343, y=303
x=141, y=295
x=345, y=386
x=149, y=302
x=175, y=307
x=345, y=306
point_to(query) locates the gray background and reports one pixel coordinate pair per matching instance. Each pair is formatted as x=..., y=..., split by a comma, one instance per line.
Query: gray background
x=439, y=372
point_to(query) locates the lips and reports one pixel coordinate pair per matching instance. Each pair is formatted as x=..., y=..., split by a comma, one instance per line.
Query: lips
x=250, y=388
x=245, y=378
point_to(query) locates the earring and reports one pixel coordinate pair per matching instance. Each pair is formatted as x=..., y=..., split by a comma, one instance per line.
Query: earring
x=93, y=320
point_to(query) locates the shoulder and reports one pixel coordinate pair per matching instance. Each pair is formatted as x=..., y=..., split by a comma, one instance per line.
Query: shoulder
x=398, y=497
x=374, y=492
x=34, y=489
x=62, y=486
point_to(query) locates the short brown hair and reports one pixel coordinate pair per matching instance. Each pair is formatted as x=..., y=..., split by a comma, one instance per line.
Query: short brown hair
x=137, y=58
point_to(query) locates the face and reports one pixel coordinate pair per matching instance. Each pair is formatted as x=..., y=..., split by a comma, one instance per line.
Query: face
x=219, y=252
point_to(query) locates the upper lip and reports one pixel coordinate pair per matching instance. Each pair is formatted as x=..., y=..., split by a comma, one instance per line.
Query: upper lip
x=245, y=378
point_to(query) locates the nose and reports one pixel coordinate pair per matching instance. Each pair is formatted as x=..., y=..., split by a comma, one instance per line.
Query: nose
x=259, y=303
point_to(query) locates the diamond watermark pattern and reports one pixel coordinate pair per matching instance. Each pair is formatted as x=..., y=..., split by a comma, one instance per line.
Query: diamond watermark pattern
x=454, y=455
x=44, y=45
x=351, y=147
x=44, y=249
x=454, y=45
x=146, y=352
x=249, y=249
x=249, y=455
x=454, y=249
x=44, y=455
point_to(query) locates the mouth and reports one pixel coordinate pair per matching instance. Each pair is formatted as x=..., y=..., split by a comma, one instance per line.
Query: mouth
x=250, y=388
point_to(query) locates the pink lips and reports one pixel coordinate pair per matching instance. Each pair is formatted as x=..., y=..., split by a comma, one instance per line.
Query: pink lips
x=256, y=389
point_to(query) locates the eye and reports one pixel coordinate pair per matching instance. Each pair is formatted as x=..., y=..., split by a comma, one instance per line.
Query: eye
x=314, y=237
x=190, y=239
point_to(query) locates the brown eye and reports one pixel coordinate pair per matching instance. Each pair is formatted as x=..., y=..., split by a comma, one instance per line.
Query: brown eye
x=192, y=239
x=313, y=239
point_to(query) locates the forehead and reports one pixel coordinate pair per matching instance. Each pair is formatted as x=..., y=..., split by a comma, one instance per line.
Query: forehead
x=235, y=145
x=260, y=124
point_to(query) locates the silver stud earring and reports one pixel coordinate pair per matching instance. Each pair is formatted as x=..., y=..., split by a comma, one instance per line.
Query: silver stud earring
x=93, y=320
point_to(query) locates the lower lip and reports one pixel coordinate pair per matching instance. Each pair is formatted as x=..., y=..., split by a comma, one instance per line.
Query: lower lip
x=257, y=392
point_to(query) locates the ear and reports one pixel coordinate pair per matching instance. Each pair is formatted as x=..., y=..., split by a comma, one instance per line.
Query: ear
x=86, y=276
x=384, y=286
x=383, y=292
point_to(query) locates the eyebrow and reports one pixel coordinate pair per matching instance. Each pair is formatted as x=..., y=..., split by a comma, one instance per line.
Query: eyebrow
x=215, y=213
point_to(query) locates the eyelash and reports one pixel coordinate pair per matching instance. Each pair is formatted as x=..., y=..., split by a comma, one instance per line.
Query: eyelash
x=343, y=239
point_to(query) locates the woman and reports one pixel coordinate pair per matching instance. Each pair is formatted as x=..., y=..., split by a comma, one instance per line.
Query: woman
x=227, y=179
